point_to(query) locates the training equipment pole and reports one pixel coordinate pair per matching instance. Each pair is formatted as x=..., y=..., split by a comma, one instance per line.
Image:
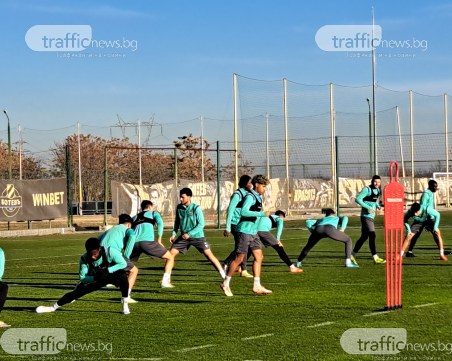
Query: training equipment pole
x=394, y=229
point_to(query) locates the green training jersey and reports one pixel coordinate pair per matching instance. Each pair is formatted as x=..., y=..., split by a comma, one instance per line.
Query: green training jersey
x=189, y=219
x=265, y=224
x=119, y=237
x=235, y=208
x=111, y=258
x=368, y=199
x=334, y=221
x=431, y=213
x=427, y=201
x=251, y=211
x=144, y=230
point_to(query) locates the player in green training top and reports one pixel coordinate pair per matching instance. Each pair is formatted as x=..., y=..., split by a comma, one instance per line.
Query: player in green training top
x=265, y=224
x=3, y=286
x=368, y=200
x=122, y=238
x=328, y=227
x=248, y=237
x=143, y=225
x=190, y=222
x=233, y=218
x=98, y=267
x=427, y=218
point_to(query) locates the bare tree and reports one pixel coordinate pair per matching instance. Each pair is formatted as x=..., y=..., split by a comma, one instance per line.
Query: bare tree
x=32, y=168
x=191, y=156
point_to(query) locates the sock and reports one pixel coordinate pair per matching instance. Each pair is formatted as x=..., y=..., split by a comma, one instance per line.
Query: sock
x=124, y=300
x=56, y=306
x=298, y=264
x=441, y=252
x=402, y=253
x=226, y=281
x=410, y=252
x=129, y=291
x=257, y=282
x=348, y=261
x=166, y=277
x=222, y=273
x=292, y=266
x=375, y=256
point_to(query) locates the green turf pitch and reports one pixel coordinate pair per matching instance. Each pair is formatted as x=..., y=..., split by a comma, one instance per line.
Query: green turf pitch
x=304, y=319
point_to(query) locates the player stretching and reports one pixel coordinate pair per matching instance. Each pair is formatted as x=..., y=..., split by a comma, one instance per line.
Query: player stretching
x=190, y=221
x=122, y=238
x=327, y=227
x=265, y=224
x=368, y=200
x=428, y=218
x=98, y=267
x=143, y=224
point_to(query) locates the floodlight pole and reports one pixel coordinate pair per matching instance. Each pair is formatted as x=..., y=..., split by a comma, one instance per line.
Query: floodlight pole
x=10, y=173
x=370, y=139
x=202, y=148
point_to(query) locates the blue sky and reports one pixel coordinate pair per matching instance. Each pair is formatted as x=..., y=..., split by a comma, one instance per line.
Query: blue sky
x=187, y=52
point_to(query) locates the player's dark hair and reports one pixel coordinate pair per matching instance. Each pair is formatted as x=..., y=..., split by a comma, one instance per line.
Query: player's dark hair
x=244, y=180
x=91, y=244
x=280, y=213
x=431, y=183
x=328, y=211
x=375, y=177
x=186, y=191
x=146, y=203
x=415, y=207
x=124, y=218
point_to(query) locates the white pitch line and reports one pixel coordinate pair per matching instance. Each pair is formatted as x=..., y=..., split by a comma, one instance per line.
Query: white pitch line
x=194, y=348
x=321, y=324
x=27, y=259
x=133, y=358
x=425, y=305
x=255, y=337
x=376, y=313
x=349, y=284
x=45, y=265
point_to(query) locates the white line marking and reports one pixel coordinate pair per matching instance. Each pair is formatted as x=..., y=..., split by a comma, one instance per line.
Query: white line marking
x=376, y=313
x=425, y=305
x=45, y=265
x=254, y=337
x=349, y=284
x=27, y=259
x=132, y=358
x=194, y=348
x=321, y=324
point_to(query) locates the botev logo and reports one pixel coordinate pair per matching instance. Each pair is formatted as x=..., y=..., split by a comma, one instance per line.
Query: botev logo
x=348, y=37
x=59, y=37
x=10, y=201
